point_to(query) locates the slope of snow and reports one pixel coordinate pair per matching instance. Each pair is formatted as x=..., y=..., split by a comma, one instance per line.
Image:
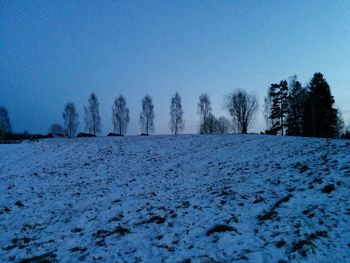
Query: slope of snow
x=188, y=198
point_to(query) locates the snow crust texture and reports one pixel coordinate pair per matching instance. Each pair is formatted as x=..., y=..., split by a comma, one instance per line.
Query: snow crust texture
x=190, y=198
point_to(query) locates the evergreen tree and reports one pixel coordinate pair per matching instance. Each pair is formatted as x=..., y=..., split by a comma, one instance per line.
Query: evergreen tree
x=296, y=104
x=279, y=109
x=320, y=118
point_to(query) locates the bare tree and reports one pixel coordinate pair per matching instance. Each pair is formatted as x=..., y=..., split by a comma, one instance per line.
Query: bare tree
x=223, y=125
x=5, y=126
x=92, y=116
x=56, y=129
x=212, y=124
x=204, y=111
x=120, y=115
x=243, y=108
x=176, y=114
x=147, y=115
x=340, y=125
x=70, y=117
x=267, y=110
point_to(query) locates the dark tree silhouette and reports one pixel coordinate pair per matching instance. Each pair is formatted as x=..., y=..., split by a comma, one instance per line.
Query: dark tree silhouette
x=204, y=111
x=147, y=115
x=70, y=117
x=320, y=118
x=296, y=104
x=5, y=126
x=176, y=114
x=243, y=108
x=120, y=115
x=92, y=116
x=279, y=109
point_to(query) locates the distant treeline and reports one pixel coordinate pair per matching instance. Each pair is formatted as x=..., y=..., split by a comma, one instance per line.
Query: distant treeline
x=289, y=109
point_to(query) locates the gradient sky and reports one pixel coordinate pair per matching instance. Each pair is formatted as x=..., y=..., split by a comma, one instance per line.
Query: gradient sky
x=52, y=52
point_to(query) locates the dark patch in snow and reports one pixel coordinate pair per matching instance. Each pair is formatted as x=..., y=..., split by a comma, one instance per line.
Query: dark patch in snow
x=19, y=204
x=280, y=243
x=4, y=210
x=302, y=167
x=48, y=257
x=258, y=199
x=105, y=233
x=270, y=215
x=328, y=189
x=155, y=219
x=76, y=230
x=220, y=229
x=117, y=218
x=78, y=249
x=281, y=201
x=18, y=243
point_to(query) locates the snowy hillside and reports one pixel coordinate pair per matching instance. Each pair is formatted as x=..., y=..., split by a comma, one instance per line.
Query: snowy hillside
x=175, y=199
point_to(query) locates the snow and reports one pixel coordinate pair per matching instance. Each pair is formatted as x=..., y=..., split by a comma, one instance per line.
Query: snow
x=154, y=199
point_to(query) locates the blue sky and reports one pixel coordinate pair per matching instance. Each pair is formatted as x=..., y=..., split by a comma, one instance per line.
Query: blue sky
x=52, y=52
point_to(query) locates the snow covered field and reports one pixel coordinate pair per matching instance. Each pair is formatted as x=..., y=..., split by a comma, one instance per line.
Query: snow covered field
x=189, y=198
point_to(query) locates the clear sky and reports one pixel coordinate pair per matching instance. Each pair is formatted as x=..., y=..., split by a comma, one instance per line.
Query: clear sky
x=52, y=52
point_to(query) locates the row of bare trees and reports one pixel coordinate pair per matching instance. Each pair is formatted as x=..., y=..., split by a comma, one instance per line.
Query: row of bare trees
x=240, y=105
x=92, y=119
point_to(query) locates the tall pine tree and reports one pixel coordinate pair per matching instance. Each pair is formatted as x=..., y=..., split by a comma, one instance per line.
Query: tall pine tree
x=296, y=104
x=279, y=108
x=320, y=117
